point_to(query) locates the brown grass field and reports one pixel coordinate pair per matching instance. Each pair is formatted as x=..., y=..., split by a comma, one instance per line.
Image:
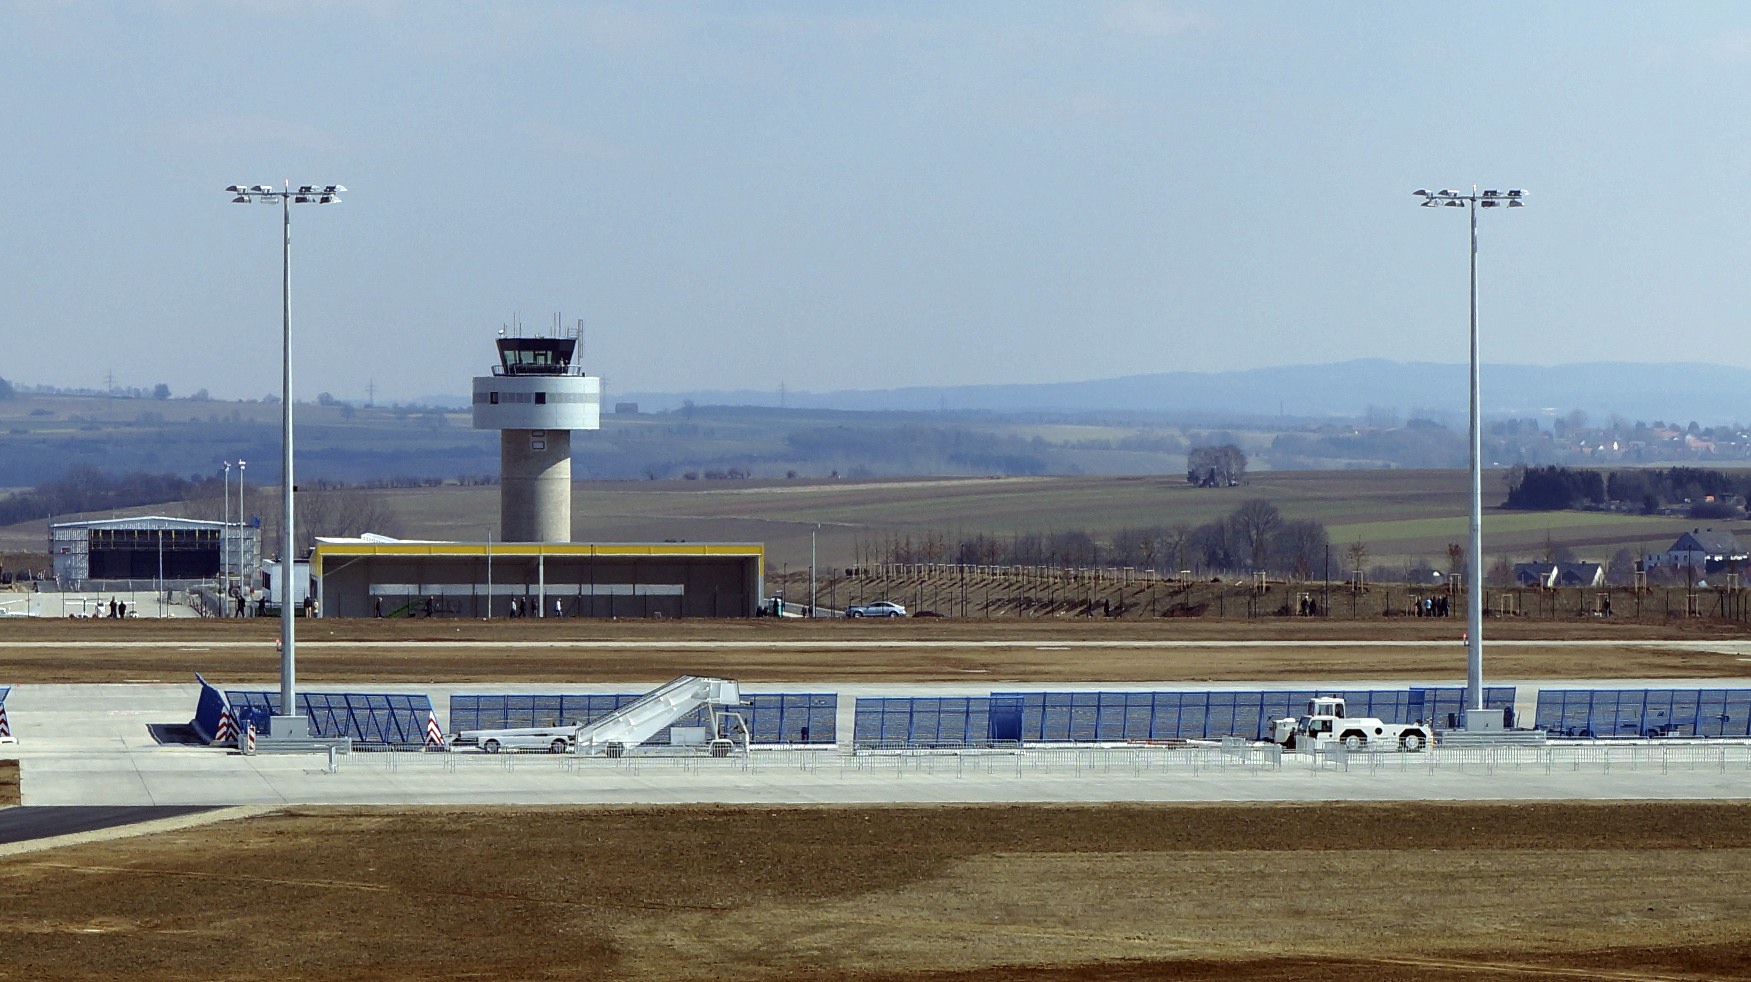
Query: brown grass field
x=1392, y=892
x=448, y=650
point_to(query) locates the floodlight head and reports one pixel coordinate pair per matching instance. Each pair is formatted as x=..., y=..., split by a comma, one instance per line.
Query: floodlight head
x=1430, y=203
x=242, y=199
x=1422, y=191
x=235, y=188
x=302, y=199
x=261, y=189
x=328, y=199
x=335, y=189
x=1488, y=203
x=1516, y=203
x=1517, y=193
x=1446, y=192
x=1455, y=203
x=305, y=189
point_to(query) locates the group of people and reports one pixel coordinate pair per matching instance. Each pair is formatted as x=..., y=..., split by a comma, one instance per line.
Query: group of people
x=1433, y=606
x=525, y=607
x=118, y=608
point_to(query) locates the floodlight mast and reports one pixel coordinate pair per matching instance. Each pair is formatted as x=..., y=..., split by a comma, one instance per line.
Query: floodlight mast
x=1474, y=702
x=295, y=725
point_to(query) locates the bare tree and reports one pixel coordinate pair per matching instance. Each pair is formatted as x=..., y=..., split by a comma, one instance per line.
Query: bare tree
x=1255, y=523
x=1214, y=467
x=342, y=512
x=1298, y=545
x=1358, y=553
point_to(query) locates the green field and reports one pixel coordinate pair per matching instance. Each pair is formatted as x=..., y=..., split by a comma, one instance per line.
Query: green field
x=1399, y=515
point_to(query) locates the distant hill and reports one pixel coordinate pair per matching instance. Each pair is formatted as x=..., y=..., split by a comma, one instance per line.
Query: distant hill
x=1680, y=391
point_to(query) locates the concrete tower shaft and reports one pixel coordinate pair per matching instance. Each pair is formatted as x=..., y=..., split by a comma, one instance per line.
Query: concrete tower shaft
x=535, y=485
x=535, y=398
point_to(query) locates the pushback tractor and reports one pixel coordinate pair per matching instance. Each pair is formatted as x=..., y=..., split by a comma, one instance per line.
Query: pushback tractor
x=1325, y=723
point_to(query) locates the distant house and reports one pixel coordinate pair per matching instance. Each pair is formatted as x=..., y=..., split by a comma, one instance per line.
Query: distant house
x=1559, y=574
x=1532, y=574
x=1578, y=574
x=1704, y=550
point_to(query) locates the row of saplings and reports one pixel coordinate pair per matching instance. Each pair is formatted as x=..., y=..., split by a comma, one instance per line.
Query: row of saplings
x=1325, y=723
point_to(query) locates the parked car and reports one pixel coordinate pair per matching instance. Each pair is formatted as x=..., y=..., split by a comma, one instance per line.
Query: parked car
x=881, y=608
x=553, y=739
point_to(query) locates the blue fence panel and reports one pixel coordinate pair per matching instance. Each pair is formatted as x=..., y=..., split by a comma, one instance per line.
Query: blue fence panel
x=923, y=721
x=1607, y=713
x=398, y=720
x=787, y=717
x=1060, y=717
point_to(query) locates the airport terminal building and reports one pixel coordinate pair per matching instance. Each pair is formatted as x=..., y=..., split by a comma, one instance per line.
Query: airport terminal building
x=375, y=576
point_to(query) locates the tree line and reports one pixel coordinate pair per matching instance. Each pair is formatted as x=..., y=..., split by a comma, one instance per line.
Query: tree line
x=1254, y=537
x=1704, y=493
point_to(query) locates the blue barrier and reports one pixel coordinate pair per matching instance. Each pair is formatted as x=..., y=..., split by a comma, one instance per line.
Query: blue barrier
x=1073, y=717
x=396, y=720
x=208, y=709
x=1623, y=713
x=922, y=721
x=779, y=717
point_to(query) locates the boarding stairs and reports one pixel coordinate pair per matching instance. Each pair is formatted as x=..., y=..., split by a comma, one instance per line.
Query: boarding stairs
x=645, y=717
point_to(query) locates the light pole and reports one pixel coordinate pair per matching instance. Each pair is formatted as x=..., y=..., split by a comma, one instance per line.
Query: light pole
x=812, y=532
x=1475, y=717
x=288, y=723
x=224, y=551
x=242, y=579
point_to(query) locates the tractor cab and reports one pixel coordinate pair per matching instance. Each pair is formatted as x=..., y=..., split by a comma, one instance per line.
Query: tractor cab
x=1326, y=706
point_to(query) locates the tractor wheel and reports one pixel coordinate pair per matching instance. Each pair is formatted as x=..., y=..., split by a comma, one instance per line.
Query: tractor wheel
x=490, y=746
x=1413, y=741
x=1355, y=740
x=557, y=747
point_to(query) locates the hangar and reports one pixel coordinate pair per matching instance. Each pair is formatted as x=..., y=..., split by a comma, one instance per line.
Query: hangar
x=150, y=547
x=378, y=576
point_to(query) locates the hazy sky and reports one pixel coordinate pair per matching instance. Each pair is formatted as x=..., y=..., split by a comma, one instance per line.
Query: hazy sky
x=863, y=195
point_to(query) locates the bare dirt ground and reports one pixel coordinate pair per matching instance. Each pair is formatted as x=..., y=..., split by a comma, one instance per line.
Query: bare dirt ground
x=369, y=650
x=1430, y=892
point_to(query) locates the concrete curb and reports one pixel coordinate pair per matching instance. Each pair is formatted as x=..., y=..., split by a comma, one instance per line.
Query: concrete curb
x=137, y=829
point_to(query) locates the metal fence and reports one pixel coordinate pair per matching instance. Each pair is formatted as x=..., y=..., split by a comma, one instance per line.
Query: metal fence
x=1005, y=718
x=1620, y=713
x=1119, y=763
x=369, y=718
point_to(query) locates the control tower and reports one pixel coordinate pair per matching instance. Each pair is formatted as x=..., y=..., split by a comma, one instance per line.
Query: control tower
x=535, y=397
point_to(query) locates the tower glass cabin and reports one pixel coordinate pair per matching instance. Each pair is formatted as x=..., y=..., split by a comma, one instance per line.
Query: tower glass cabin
x=535, y=397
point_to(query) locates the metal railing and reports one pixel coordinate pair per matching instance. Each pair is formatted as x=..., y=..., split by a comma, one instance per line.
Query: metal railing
x=1135, y=762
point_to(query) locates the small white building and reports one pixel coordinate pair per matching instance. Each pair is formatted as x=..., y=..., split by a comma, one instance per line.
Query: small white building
x=273, y=584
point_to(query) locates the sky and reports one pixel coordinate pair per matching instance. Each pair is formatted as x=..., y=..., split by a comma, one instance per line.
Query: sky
x=862, y=195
